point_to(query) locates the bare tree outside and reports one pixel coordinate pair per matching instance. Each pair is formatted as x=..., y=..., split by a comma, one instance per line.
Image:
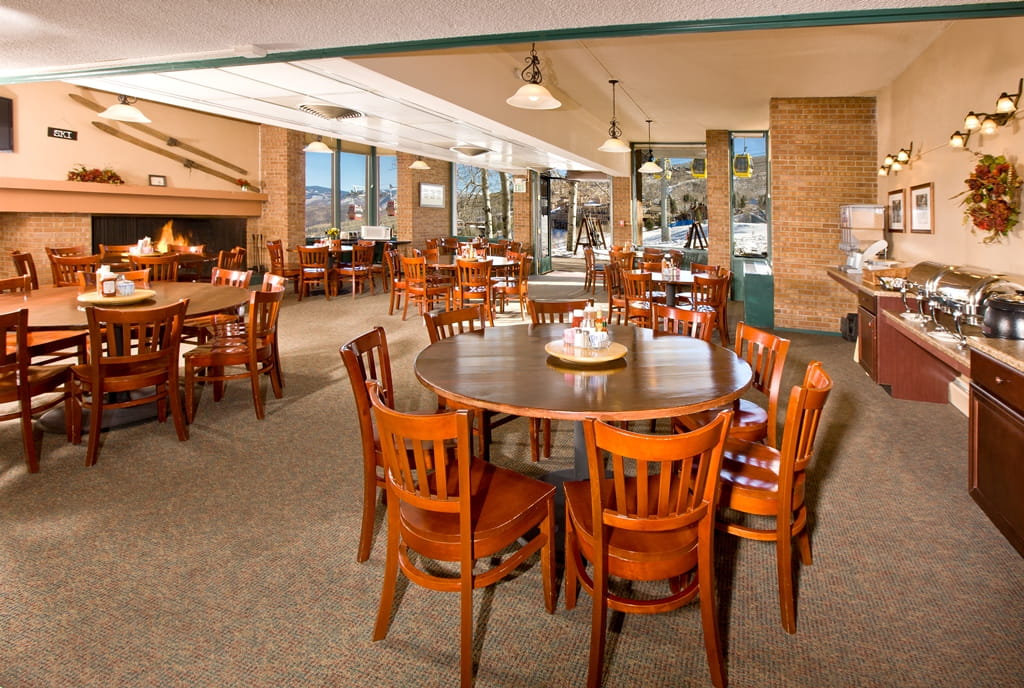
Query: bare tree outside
x=475, y=202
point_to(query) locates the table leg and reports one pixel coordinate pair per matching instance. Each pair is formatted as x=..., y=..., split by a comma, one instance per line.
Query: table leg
x=670, y=294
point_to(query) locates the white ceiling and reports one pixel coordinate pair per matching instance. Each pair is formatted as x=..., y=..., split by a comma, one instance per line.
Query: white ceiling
x=424, y=102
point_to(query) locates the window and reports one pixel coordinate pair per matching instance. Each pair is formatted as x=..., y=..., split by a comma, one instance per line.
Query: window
x=673, y=202
x=387, y=190
x=335, y=192
x=750, y=201
x=319, y=211
x=483, y=202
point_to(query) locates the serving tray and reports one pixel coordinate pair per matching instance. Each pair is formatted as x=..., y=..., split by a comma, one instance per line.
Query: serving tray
x=613, y=352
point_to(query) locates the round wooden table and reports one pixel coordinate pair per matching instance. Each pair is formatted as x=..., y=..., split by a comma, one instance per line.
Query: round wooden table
x=58, y=307
x=681, y=278
x=506, y=369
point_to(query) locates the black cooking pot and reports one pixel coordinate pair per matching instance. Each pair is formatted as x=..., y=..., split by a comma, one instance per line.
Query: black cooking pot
x=1004, y=316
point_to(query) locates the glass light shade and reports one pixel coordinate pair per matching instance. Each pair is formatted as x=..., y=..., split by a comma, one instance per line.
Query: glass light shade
x=1005, y=104
x=903, y=156
x=883, y=171
x=989, y=126
x=896, y=166
x=650, y=167
x=419, y=165
x=614, y=145
x=971, y=122
x=317, y=146
x=125, y=113
x=888, y=160
x=534, y=97
x=957, y=140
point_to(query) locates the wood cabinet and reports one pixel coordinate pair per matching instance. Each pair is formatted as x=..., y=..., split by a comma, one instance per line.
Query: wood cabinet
x=996, y=460
x=867, y=334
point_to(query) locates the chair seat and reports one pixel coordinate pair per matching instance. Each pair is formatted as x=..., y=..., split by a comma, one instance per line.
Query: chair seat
x=40, y=379
x=123, y=378
x=43, y=342
x=751, y=469
x=504, y=501
x=749, y=421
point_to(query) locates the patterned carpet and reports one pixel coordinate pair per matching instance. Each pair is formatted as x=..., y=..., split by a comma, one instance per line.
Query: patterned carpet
x=229, y=560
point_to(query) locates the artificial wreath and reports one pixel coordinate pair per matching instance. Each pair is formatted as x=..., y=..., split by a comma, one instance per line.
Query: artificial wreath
x=104, y=176
x=992, y=199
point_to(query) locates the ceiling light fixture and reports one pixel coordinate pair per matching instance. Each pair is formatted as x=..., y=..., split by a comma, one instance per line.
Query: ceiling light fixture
x=317, y=146
x=470, y=150
x=895, y=163
x=125, y=111
x=418, y=164
x=986, y=123
x=613, y=144
x=531, y=95
x=649, y=167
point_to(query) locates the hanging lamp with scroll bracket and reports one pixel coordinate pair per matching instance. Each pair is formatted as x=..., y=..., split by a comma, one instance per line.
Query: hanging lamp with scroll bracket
x=125, y=111
x=649, y=166
x=613, y=144
x=317, y=146
x=532, y=95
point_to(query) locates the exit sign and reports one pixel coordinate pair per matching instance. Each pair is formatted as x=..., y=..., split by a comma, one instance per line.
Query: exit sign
x=66, y=134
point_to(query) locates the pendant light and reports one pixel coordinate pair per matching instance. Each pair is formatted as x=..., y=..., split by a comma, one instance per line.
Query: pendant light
x=650, y=167
x=531, y=95
x=317, y=146
x=613, y=144
x=125, y=111
x=418, y=164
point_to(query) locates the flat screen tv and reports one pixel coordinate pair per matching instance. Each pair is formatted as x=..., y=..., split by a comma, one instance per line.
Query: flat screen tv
x=6, y=124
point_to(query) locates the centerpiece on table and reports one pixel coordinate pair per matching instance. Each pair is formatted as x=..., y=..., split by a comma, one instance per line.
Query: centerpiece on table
x=992, y=199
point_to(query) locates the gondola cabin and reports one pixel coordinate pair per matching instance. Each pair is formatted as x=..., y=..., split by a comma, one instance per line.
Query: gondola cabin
x=742, y=165
x=699, y=168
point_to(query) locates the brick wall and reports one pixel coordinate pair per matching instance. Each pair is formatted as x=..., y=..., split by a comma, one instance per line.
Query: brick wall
x=719, y=222
x=622, y=210
x=418, y=224
x=522, y=216
x=284, y=182
x=823, y=156
x=33, y=231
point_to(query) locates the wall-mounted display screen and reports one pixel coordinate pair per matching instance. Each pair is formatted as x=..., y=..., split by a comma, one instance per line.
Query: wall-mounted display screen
x=6, y=124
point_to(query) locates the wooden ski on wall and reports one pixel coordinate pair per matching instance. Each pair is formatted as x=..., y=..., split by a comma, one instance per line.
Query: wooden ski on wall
x=169, y=140
x=191, y=164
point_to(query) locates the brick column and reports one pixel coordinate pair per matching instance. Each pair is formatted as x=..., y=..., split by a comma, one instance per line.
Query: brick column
x=418, y=224
x=621, y=211
x=283, y=179
x=719, y=220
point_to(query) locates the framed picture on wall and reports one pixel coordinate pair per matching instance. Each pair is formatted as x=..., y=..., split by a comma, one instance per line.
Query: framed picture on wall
x=431, y=195
x=157, y=180
x=896, y=210
x=922, y=209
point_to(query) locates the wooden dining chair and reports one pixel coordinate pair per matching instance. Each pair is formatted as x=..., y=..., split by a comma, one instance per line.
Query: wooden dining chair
x=616, y=296
x=65, y=267
x=395, y=279
x=764, y=482
x=682, y=321
x=376, y=269
x=190, y=263
x=420, y=289
x=197, y=329
x=710, y=293
x=514, y=283
x=650, y=518
x=447, y=506
x=232, y=260
x=314, y=270
x=116, y=253
x=360, y=269
x=52, y=251
x=25, y=264
x=22, y=382
x=473, y=283
x=594, y=271
x=278, y=264
x=130, y=350
x=637, y=290
x=624, y=259
x=45, y=346
x=766, y=354
x=366, y=358
x=162, y=268
x=232, y=355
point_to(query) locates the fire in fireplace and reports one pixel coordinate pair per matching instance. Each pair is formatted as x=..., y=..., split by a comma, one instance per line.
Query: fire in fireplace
x=216, y=233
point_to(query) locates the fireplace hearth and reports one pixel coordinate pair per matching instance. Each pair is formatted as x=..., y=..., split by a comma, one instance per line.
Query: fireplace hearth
x=216, y=233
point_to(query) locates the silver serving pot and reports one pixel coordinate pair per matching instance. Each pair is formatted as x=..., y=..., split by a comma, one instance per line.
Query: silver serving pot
x=1004, y=316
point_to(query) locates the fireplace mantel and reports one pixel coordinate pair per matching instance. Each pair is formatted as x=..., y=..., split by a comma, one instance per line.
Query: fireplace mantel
x=47, y=196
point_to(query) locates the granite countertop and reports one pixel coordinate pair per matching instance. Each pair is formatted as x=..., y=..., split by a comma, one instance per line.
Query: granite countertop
x=1008, y=351
x=920, y=332
x=854, y=281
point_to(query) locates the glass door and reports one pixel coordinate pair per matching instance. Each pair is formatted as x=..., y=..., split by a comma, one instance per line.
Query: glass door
x=542, y=240
x=753, y=283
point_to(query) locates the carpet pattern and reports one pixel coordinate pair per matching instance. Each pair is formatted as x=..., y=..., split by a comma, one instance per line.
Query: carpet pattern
x=229, y=560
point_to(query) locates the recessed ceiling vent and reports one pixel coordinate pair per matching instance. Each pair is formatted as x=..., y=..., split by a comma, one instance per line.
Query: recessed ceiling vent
x=329, y=111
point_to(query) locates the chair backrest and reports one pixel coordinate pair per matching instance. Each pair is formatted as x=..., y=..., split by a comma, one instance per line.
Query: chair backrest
x=421, y=466
x=232, y=260
x=15, y=360
x=161, y=268
x=519, y=276
x=652, y=255
x=554, y=311
x=651, y=266
x=261, y=320
x=473, y=274
x=415, y=271
x=803, y=415
x=515, y=246
x=450, y=244
x=16, y=285
x=636, y=285
x=230, y=278
x=195, y=249
x=313, y=257
x=624, y=259
x=144, y=337
x=450, y=323
x=766, y=354
x=588, y=258
x=683, y=321
x=367, y=358
x=432, y=255
x=65, y=267
x=613, y=280
x=704, y=269
x=656, y=483
x=393, y=264
x=25, y=264
x=362, y=256
x=272, y=281
x=432, y=243
x=709, y=292
x=116, y=253
x=275, y=248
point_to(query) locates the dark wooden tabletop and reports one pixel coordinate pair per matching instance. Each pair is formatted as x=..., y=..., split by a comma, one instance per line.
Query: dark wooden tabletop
x=506, y=369
x=58, y=307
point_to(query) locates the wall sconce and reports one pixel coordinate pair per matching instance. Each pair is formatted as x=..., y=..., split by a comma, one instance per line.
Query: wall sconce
x=531, y=95
x=894, y=163
x=988, y=123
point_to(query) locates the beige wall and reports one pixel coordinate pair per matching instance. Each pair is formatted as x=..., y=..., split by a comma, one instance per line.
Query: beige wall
x=38, y=156
x=963, y=70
